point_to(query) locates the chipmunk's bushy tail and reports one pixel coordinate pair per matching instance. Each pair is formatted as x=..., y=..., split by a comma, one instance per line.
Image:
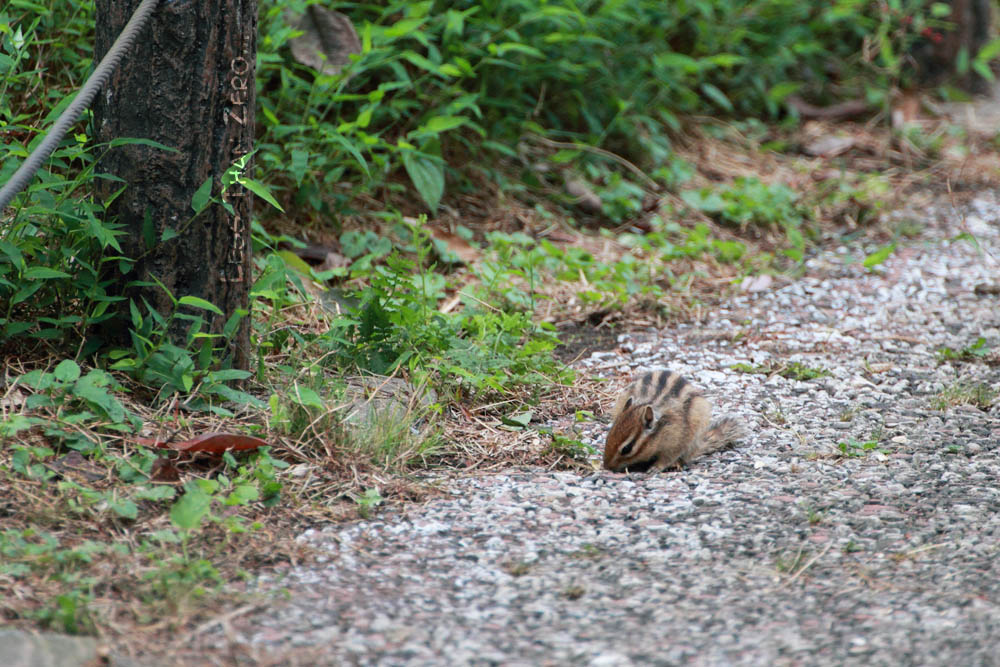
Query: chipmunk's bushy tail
x=721, y=432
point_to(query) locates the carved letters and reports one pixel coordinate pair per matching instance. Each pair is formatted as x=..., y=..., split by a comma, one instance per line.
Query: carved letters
x=239, y=72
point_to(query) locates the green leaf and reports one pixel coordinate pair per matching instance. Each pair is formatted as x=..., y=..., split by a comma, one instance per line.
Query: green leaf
x=197, y=302
x=725, y=59
x=299, y=165
x=780, y=91
x=67, y=371
x=879, y=256
x=419, y=61
x=44, y=273
x=188, y=512
x=202, y=196
x=228, y=374
x=516, y=47
x=148, y=231
x=442, y=124
x=427, y=176
x=261, y=191
x=403, y=27
x=92, y=388
x=124, y=508
x=243, y=494
x=307, y=397
x=940, y=9
x=989, y=51
x=129, y=141
x=521, y=419
x=717, y=96
x=158, y=492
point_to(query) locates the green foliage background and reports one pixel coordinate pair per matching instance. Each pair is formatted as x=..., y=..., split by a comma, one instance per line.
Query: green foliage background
x=442, y=96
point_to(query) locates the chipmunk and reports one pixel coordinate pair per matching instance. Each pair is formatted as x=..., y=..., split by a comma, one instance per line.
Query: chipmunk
x=662, y=420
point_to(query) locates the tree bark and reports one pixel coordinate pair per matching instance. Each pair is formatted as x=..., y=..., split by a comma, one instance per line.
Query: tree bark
x=936, y=55
x=189, y=84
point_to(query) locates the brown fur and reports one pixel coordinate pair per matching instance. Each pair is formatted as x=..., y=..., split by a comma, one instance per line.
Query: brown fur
x=662, y=420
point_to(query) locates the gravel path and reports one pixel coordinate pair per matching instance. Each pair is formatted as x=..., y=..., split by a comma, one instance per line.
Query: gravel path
x=783, y=551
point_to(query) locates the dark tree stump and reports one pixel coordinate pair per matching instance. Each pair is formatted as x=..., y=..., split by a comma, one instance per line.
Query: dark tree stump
x=189, y=84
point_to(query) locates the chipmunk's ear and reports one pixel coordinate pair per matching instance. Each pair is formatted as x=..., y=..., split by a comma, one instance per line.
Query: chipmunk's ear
x=647, y=416
x=628, y=402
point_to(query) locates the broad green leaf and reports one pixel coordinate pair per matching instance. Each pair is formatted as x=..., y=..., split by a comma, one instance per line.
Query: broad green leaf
x=188, y=512
x=227, y=374
x=197, y=302
x=44, y=273
x=157, y=492
x=124, y=508
x=990, y=50
x=261, y=191
x=299, y=165
x=202, y=196
x=879, y=256
x=427, y=176
x=521, y=419
x=92, y=388
x=442, y=124
x=307, y=397
x=67, y=371
x=243, y=494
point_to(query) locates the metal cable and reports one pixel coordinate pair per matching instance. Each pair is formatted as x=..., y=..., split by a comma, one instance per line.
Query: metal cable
x=94, y=83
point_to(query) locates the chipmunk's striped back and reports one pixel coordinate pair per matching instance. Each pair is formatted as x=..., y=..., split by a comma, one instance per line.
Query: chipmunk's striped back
x=661, y=420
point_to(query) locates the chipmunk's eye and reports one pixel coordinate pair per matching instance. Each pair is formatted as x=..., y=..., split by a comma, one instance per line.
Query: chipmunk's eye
x=627, y=449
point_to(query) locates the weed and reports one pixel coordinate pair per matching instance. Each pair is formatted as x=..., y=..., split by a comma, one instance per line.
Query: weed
x=813, y=516
x=777, y=416
x=858, y=449
x=572, y=447
x=972, y=352
x=750, y=202
x=876, y=257
x=367, y=501
x=589, y=551
x=849, y=413
x=517, y=568
x=788, y=564
x=792, y=370
x=977, y=394
x=574, y=592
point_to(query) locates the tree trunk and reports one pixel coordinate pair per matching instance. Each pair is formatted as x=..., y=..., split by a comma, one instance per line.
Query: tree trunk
x=937, y=54
x=189, y=84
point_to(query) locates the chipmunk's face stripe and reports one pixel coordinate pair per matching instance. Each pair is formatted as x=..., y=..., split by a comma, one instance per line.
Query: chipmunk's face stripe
x=627, y=447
